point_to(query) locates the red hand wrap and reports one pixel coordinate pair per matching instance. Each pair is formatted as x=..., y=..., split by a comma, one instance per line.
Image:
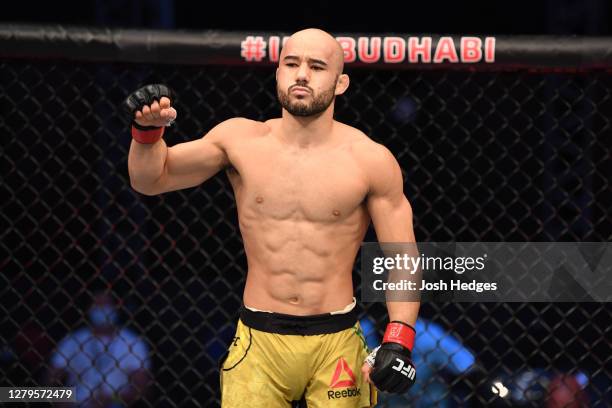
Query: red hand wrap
x=147, y=136
x=401, y=333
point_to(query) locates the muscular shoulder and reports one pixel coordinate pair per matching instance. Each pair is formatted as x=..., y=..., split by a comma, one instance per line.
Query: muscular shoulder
x=237, y=129
x=371, y=156
x=375, y=160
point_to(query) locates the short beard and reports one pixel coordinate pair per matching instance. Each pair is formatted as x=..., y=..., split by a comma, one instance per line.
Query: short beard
x=300, y=108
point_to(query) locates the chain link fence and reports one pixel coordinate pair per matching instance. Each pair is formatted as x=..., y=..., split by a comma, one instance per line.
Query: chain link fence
x=487, y=156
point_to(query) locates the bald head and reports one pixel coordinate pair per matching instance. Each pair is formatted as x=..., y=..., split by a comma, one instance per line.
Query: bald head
x=315, y=41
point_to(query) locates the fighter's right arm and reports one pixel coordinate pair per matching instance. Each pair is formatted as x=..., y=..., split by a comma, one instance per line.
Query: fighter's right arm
x=154, y=167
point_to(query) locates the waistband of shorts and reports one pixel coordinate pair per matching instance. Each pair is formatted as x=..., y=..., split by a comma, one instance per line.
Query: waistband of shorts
x=279, y=323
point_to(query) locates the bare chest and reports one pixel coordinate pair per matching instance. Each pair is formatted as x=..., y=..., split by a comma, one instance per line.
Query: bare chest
x=322, y=186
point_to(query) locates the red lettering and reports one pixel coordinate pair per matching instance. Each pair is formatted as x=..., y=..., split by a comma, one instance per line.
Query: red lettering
x=490, y=49
x=363, y=43
x=273, y=48
x=471, y=49
x=422, y=48
x=394, y=49
x=445, y=50
x=348, y=45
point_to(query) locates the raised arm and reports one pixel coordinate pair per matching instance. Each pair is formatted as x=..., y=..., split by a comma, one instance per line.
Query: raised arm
x=155, y=168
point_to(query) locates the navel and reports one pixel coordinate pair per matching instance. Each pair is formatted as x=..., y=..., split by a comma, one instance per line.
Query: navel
x=336, y=213
x=259, y=199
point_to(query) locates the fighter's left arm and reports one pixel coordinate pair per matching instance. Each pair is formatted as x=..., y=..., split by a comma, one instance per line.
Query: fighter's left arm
x=391, y=215
x=390, y=367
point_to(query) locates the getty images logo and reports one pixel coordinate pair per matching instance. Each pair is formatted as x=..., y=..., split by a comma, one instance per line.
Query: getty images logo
x=408, y=370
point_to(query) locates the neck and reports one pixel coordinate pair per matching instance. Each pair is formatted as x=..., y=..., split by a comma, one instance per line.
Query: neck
x=310, y=130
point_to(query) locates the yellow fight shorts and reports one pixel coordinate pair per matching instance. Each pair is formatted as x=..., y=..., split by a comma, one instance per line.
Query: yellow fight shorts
x=276, y=360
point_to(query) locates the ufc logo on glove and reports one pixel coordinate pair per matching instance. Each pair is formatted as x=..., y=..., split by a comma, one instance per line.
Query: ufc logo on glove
x=408, y=371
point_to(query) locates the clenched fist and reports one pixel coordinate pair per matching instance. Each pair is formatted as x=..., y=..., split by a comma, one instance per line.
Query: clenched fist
x=389, y=366
x=149, y=109
x=150, y=106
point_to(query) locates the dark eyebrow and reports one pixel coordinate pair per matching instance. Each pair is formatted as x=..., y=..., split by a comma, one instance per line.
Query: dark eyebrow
x=314, y=60
x=317, y=61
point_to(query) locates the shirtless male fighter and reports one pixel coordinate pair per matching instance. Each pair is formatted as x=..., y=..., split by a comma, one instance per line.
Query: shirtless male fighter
x=306, y=187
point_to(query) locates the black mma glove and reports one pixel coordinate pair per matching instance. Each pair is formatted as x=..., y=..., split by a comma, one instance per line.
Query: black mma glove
x=140, y=98
x=392, y=368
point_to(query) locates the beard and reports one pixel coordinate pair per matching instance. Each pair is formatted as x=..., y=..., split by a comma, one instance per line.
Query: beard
x=300, y=107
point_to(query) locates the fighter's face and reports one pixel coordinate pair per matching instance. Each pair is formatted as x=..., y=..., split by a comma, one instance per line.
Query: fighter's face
x=306, y=83
x=300, y=99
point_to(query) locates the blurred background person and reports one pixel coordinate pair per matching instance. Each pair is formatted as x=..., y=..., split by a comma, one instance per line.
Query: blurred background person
x=108, y=364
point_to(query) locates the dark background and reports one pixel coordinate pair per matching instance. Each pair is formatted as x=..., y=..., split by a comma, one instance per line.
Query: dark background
x=179, y=271
x=588, y=17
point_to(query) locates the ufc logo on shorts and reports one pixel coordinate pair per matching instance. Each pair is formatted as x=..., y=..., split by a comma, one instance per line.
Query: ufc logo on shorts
x=408, y=371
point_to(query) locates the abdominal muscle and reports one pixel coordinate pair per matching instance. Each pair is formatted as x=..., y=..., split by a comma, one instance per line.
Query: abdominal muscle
x=301, y=267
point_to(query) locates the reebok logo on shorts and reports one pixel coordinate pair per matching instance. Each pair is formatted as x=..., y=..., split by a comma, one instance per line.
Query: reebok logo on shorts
x=343, y=377
x=351, y=392
x=342, y=368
